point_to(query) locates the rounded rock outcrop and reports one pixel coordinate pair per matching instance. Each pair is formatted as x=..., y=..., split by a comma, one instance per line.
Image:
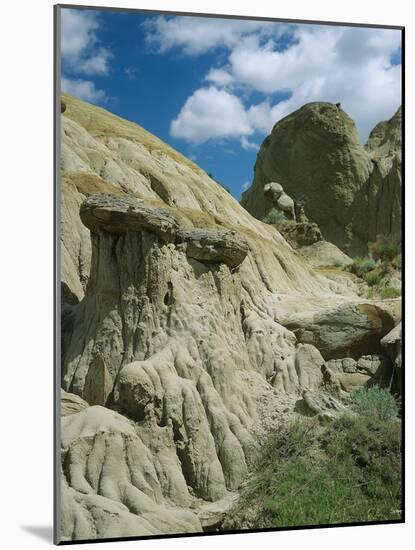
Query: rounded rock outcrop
x=315, y=152
x=347, y=330
x=214, y=245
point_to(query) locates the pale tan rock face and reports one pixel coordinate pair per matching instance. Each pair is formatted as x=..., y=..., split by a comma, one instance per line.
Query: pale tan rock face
x=71, y=403
x=353, y=192
x=174, y=333
x=109, y=483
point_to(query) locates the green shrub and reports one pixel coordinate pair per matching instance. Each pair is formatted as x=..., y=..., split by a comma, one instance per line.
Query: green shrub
x=384, y=248
x=346, y=471
x=389, y=292
x=274, y=216
x=360, y=266
x=375, y=401
x=373, y=278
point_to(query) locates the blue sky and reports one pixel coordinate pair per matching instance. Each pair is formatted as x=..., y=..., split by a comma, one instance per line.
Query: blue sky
x=213, y=88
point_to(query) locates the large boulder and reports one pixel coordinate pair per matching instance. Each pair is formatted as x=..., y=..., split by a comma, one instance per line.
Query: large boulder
x=215, y=246
x=348, y=330
x=273, y=190
x=350, y=382
x=286, y=204
x=279, y=199
x=352, y=192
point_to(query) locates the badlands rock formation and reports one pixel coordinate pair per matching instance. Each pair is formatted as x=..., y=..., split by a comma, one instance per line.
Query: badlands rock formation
x=352, y=192
x=181, y=315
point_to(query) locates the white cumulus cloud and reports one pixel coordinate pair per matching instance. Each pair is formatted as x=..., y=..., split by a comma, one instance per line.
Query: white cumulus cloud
x=81, y=50
x=84, y=89
x=198, y=35
x=247, y=144
x=211, y=113
x=221, y=77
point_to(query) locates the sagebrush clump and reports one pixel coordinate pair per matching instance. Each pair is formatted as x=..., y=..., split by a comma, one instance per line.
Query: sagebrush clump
x=376, y=402
x=275, y=216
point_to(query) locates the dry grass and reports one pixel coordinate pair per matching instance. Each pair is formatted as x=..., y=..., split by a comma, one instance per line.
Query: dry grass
x=103, y=124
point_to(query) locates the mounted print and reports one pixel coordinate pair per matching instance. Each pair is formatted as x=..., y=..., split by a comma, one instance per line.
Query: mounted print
x=228, y=274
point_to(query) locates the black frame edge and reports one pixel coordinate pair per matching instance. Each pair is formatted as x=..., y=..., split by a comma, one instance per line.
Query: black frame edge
x=57, y=274
x=227, y=16
x=403, y=234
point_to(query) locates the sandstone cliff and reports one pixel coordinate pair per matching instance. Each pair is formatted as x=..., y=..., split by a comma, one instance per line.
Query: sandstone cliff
x=352, y=192
x=188, y=326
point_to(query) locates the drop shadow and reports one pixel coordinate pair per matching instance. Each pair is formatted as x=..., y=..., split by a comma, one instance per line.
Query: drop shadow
x=42, y=532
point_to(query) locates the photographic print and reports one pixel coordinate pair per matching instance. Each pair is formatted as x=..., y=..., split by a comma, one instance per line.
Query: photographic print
x=229, y=274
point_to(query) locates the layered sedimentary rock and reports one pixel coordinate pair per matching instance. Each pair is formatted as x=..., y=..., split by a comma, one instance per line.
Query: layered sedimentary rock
x=177, y=332
x=176, y=343
x=352, y=192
